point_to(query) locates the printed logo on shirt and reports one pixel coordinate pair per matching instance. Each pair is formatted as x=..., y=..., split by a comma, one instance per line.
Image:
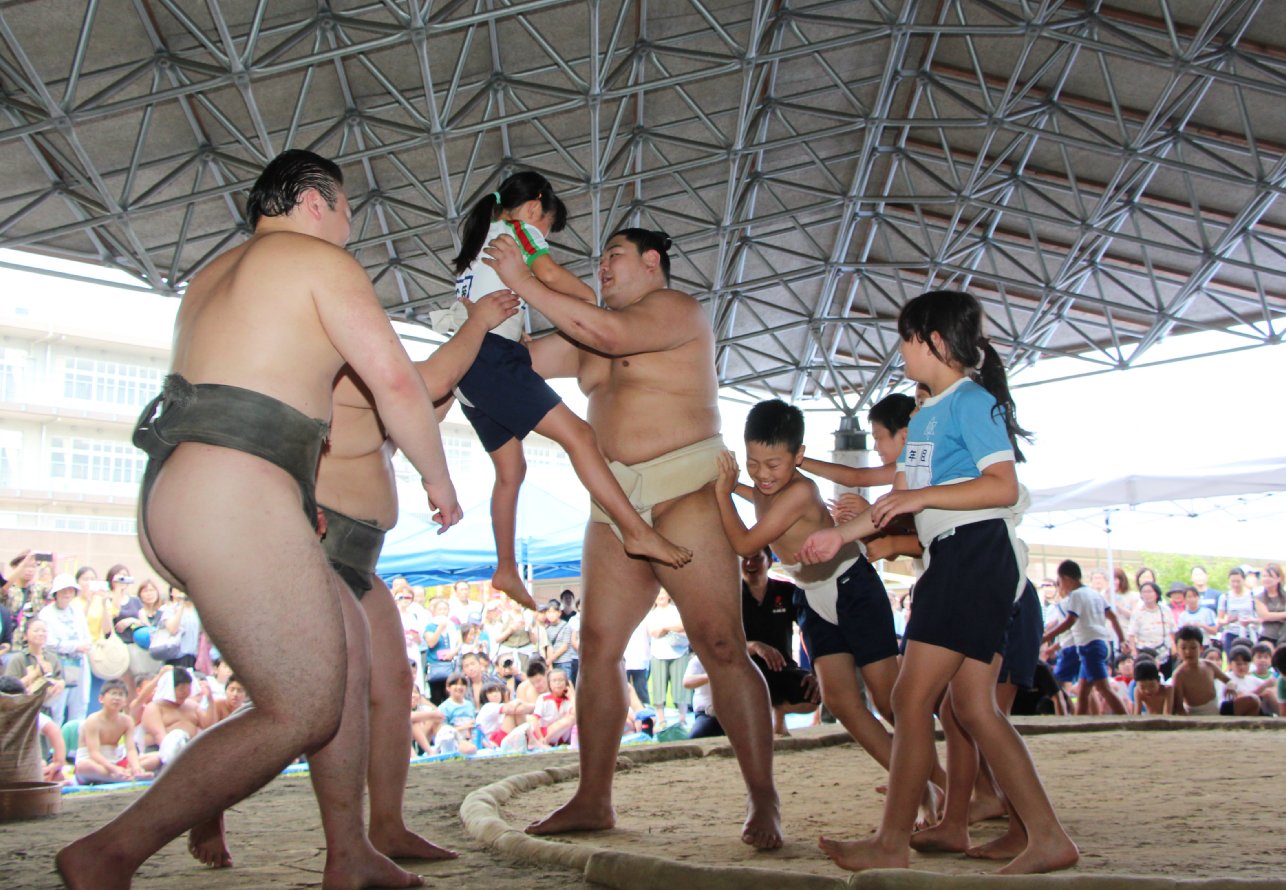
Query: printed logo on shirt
x=918, y=464
x=464, y=285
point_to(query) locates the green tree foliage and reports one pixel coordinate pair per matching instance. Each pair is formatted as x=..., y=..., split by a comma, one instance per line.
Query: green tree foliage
x=1171, y=567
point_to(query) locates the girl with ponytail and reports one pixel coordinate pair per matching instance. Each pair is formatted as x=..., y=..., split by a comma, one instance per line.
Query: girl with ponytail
x=956, y=476
x=505, y=399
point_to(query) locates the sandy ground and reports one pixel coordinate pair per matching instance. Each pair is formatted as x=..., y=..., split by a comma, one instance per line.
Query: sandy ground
x=1171, y=803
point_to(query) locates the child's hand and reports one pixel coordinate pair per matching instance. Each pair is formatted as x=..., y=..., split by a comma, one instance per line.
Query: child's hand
x=821, y=546
x=895, y=503
x=848, y=505
x=728, y=473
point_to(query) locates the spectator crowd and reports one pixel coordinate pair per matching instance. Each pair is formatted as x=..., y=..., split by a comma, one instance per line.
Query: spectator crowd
x=128, y=677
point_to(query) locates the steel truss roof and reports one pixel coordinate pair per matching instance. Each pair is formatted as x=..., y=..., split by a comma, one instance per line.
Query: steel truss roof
x=1101, y=174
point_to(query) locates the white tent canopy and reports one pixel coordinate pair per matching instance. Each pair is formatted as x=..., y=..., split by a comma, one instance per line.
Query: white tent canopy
x=1241, y=477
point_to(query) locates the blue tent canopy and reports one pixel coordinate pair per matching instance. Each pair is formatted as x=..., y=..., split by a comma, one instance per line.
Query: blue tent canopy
x=550, y=532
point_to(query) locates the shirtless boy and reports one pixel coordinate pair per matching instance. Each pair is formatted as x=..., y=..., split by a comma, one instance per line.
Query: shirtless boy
x=1151, y=696
x=107, y=752
x=846, y=619
x=1194, y=678
x=648, y=369
x=171, y=725
x=261, y=333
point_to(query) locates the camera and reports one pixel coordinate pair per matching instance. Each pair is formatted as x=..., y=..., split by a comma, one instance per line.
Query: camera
x=44, y=557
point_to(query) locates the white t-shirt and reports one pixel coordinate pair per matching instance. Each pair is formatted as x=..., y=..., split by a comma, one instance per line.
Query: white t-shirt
x=702, y=700
x=490, y=717
x=480, y=279
x=670, y=645
x=638, y=650
x=549, y=709
x=1090, y=609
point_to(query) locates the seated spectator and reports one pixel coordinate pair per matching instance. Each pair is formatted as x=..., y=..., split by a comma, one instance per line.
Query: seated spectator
x=536, y=684
x=1151, y=696
x=172, y=718
x=1122, y=680
x=472, y=668
x=459, y=716
x=1242, y=695
x=1279, y=665
x=45, y=728
x=508, y=673
x=107, y=752
x=426, y=720
x=501, y=720
x=221, y=708
x=1261, y=668
x=1194, y=678
x=555, y=714
x=37, y=668
x=704, y=722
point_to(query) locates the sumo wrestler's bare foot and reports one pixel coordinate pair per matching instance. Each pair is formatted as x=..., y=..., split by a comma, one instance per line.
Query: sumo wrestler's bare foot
x=864, y=854
x=941, y=838
x=402, y=843
x=762, y=828
x=985, y=806
x=576, y=815
x=509, y=579
x=364, y=867
x=87, y=865
x=208, y=844
x=648, y=543
x=1043, y=856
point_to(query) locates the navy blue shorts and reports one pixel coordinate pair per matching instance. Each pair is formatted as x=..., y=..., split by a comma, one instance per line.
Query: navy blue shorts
x=1022, y=640
x=865, y=628
x=1067, y=668
x=1093, y=656
x=509, y=398
x=964, y=599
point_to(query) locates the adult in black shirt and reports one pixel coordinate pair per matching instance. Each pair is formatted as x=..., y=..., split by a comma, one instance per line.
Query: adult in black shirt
x=768, y=616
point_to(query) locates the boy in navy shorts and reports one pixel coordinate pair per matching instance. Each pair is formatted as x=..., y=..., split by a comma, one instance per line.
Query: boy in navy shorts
x=1088, y=617
x=844, y=611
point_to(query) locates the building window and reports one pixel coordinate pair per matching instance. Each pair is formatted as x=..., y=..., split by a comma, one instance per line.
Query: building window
x=110, y=383
x=13, y=364
x=93, y=460
x=459, y=452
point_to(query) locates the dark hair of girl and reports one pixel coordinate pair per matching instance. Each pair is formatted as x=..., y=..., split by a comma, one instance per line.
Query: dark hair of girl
x=956, y=317
x=283, y=182
x=513, y=193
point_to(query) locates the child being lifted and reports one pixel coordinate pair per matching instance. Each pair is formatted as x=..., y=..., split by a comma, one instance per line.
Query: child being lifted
x=505, y=399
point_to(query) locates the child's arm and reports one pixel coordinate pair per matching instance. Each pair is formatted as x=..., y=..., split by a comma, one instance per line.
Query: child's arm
x=784, y=511
x=555, y=277
x=892, y=546
x=997, y=486
x=131, y=752
x=823, y=544
x=1218, y=672
x=850, y=477
x=1061, y=628
x=744, y=491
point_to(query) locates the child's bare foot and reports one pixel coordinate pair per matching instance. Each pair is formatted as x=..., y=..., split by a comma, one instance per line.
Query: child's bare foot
x=207, y=844
x=1007, y=846
x=762, y=828
x=1041, y=857
x=941, y=838
x=863, y=854
x=651, y=544
x=406, y=844
x=575, y=816
x=365, y=867
x=509, y=579
x=85, y=864
x=984, y=807
x=930, y=812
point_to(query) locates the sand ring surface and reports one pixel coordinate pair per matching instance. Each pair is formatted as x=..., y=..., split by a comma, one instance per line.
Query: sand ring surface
x=1132, y=793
